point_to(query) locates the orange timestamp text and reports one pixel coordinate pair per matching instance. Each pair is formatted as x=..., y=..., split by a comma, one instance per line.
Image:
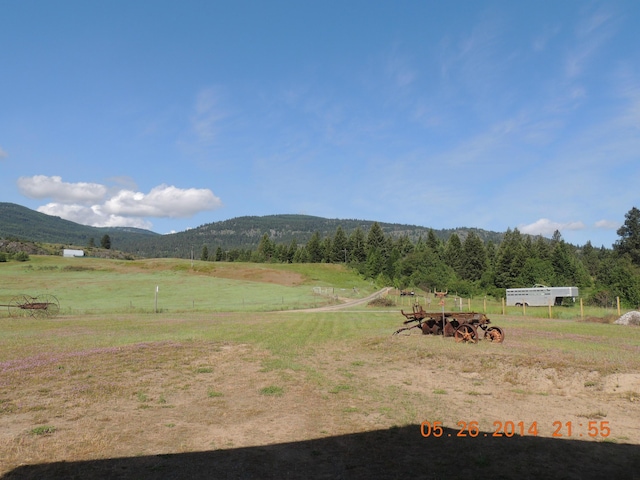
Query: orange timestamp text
x=510, y=428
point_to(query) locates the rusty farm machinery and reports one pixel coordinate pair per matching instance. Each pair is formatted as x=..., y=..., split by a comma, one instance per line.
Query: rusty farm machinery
x=39, y=307
x=462, y=326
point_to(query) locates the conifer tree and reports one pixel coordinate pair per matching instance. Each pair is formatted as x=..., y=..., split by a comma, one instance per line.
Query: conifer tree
x=434, y=243
x=474, y=258
x=314, y=249
x=375, y=238
x=266, y=248
x=356, y=246
x=629, y=233
x=105, y=241
x=510, y=260
x=339, y=246
x=453, y=253
x=291, y=252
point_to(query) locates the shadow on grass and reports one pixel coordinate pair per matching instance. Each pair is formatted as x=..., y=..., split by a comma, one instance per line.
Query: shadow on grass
x=401, y=453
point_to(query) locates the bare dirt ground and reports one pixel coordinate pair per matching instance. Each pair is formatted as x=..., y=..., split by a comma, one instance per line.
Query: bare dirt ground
x=266, y=275
x=339, y=410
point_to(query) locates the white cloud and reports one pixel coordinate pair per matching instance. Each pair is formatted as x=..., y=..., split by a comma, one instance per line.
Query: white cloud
x=162, y=201
x=3, y=154
x=92, y=216
x=95, y=204
x=41, y=186
x=544, y=226
x=607, y=224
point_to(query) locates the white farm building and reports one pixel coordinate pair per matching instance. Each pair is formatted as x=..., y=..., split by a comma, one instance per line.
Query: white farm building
x=68, y=252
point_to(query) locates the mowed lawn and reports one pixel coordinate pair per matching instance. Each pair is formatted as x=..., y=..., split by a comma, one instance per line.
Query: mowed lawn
x=112, y=389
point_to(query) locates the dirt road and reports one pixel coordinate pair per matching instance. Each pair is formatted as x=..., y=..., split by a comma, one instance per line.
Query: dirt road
x=348, y=303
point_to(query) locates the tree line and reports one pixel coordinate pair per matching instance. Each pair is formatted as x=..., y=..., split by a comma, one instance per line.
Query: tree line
x=468, y=266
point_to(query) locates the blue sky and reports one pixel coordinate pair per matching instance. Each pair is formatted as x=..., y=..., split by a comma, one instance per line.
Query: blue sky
x=169, y=115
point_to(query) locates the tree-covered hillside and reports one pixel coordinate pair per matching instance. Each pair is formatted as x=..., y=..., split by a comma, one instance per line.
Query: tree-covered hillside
x=467, y=265
x=247, y=232
x=23, y=223
x=237, y=233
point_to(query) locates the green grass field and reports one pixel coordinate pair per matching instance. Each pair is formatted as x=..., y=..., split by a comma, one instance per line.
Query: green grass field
x=225, y=380
x=93, y=286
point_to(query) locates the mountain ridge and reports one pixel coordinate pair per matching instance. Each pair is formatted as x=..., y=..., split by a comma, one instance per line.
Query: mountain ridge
x=236, y=233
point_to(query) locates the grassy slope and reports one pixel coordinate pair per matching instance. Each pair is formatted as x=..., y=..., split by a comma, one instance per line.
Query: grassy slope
x=86, y=286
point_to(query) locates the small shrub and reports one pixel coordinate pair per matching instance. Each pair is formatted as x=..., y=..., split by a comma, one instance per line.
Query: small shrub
x=43, y=430
x=382, y=302
x=77, y=268
x=340, y=388
x=272, y=390
x=21, y=257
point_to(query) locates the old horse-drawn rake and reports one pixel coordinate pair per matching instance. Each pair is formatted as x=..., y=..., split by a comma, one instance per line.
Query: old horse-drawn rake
x=39, y=307
x=463, y=326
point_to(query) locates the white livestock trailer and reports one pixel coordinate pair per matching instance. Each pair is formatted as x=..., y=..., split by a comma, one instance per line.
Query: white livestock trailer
x=540, y=295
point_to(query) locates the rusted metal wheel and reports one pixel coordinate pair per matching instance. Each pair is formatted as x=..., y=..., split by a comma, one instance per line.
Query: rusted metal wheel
x=494, y=334
x=449, y=330
x=15, y=306
x=45, y=306
x=466, y=333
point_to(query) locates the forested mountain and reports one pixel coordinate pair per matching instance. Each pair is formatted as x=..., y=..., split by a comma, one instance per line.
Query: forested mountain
x=23, y=223
x=246, y=233
x=237, y=233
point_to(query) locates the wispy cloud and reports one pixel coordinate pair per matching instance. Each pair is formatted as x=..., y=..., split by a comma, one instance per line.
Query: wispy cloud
x=592, y=32
x=207, y=115
x=541, y=41
x=3, y=154
x=399, y=68
x=475, y=59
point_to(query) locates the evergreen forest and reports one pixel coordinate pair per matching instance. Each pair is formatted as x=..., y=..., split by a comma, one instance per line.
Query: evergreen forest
x=468, y=266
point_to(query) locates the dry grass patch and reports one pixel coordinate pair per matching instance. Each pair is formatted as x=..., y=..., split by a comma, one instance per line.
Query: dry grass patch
x=290, y=380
